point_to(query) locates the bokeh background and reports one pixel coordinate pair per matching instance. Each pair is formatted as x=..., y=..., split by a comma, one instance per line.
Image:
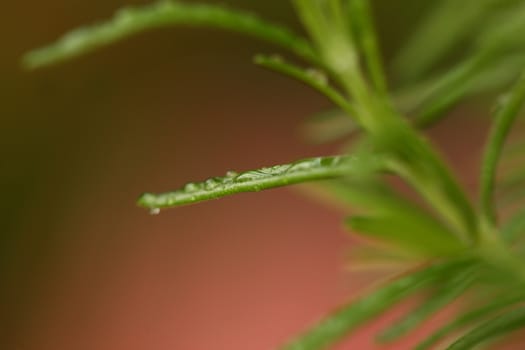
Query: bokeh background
x=81, y=267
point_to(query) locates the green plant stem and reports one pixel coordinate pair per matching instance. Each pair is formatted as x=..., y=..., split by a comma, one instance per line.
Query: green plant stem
x=452, y=288
x=418, y=164
x=497, y=326
x=469, y=318
x=361, y=15
x=314, y=78
x=505, y=116
x=415, y=159
x=338, y=324
x=131, y=20
x=493, y=250
x=311, y=14
x=330, y=32
x=448, y=90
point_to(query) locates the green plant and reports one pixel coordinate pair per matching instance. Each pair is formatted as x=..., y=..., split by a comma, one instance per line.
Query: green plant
x=459, y=248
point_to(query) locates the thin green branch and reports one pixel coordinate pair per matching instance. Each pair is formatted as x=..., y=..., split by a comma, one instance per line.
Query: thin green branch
x=313, y=20
x=449, y=89
x=413, y=158
x=256, y=180
x=416, y=161
x=328, y=126
x=366, y=37
x=447, y=23
x=132, y=20
x=451, y=289
x=338, y=324
x=429, y=100
x=331, y=34
x=410, y=234
x=467, y=319
x=312, y=77
x=514, y=227
x=495, y=327
x=505, y=116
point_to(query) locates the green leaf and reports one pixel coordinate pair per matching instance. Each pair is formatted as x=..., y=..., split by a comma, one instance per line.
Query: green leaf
x=500, y=31
x=374, y=256
x=497, y=326
x=328, y=27
x=328, y=126
x=373, y=197
x=467, y=319
x=429, y=100
x=491, y=65
x=500, y=73
x=448, y=89
x=365, y=36
x=514, y=227
x=131, y=20
x=515, y=148
x=279, y=175
x=447, y=24
x=453, y=287
x=341, y=322
x=511, y=189
x=312, y=77
x=504, y=118
x=416, y=162
x=408, y=233
x=394, y=219
x=511, y=199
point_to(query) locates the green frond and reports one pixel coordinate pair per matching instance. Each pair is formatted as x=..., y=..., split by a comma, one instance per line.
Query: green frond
x=453, y=287
x=313, y=77
x=416, y=162
x=365, y=36
x=447, y=24
x=495, y=327
x=379, y=257
x=343, y=321
x=509, y=194
x=501, y=31
x=408, y=233
x=374, y=197
x=330, y=31
x=328, y=126
x=511, y=200
x=428, y=101
x=447, y=90
x=256, y=180
x=505, y=116
x=514, y=227
x=469, y=318
x=131, y=20
x=394, y=219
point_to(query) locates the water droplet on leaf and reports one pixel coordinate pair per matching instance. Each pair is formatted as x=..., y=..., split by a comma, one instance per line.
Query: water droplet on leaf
x=210, y=184
x=276, y=58
x=191, y=187
x=154, y=211
x=317, y=75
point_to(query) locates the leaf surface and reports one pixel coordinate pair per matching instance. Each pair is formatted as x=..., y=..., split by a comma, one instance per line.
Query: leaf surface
x=255, y=180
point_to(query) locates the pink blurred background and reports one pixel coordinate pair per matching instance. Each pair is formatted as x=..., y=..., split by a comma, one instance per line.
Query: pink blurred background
x=84, y=268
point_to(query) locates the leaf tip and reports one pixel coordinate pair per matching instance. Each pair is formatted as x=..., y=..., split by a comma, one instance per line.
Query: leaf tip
x=147, y=200
x=30, y=61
